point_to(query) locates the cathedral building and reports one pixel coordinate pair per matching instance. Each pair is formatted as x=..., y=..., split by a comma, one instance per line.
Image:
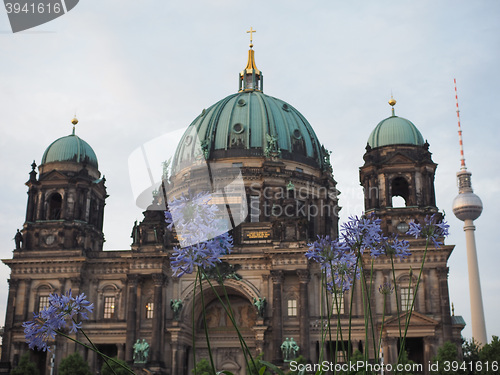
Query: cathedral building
x=267, y=169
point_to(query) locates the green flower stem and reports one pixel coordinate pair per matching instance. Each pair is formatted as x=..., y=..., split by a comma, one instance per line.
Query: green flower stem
x=396, y=294
x=351, y=307
x=95, y=348
x=367, y=308
x=193, y=328
x=408, y=316
x=382, y=325
x=104, y=356
x=212, y=363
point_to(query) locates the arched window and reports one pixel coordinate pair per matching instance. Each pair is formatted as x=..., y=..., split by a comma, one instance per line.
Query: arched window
x=55, y=203
x=400, y=192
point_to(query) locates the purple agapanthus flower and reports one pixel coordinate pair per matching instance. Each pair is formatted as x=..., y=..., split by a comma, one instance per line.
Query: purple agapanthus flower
x=386, y=288
x=338, y=261
x=392, y=246
x=431, y=230
x=362, y=233
x=201, y=231
x=63, y=311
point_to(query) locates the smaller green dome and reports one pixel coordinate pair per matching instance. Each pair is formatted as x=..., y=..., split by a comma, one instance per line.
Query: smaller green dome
x=70, y=148
x=395, y=130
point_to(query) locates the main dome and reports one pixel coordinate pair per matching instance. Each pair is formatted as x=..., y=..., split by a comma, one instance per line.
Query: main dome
x=70, y=148
x=249, y=124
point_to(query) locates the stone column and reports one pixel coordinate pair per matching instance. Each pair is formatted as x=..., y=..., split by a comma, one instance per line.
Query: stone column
x=392, y=350
x=158, y=280
x=445, y=303
x=39, y=207
x=133, y=280
x=26, y=313
x=64, y=206
x=429, y=351
x=277, y=314
x=175, y=333
x=305, y=343
x=9, y=319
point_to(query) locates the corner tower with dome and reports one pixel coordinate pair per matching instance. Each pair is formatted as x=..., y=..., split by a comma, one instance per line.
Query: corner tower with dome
x=398, y=182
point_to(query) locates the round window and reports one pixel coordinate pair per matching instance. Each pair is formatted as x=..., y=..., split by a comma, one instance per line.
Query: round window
x=238, y=128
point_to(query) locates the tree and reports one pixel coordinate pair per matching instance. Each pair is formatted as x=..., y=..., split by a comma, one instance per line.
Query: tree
x=203, y=367
x=118, y=370
x=470, y=351
x=448, y=353
x=74, y=364
x=489, y=354
x=404, y=364
x=25, y=366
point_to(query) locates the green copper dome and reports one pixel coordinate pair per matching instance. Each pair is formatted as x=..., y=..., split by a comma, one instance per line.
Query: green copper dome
x=250, y=124
x=70, y=148
x=395, y=130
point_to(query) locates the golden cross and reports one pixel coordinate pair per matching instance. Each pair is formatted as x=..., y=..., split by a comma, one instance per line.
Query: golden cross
x=250, y=32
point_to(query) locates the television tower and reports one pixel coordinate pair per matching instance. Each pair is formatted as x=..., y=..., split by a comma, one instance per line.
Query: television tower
x=468, y=207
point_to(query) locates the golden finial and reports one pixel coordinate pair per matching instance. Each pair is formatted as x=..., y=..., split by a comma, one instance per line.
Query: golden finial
x=392, y=103
x=74, y=122
x=251, y=31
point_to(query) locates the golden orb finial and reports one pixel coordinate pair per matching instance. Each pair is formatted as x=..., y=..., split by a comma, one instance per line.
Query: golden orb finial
x=392, y=103
x=74, y=121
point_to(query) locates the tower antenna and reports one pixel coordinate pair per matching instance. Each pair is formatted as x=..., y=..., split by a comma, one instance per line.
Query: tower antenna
x=462, y=157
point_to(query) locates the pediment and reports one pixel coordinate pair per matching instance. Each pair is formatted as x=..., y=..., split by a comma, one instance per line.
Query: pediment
x=417, y=319
x=420, y=325
x=54, y=176
x=399, y=158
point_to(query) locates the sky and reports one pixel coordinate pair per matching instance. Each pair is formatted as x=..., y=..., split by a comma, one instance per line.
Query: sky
x=135, y=71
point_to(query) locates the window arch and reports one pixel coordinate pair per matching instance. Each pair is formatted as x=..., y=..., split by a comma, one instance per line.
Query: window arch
x=42, y=294
x=55, y=204
x=109, y=296
x=400, y=192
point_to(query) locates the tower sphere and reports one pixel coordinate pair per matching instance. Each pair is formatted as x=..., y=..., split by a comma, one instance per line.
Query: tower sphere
x=467, y=206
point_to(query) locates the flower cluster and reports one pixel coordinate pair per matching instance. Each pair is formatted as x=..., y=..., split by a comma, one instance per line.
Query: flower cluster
x=362, y=234
x=62, y=311
x=201, y=231
x=392, y=246
x=431, y=230
x=359, y=235
x=337, y=260
x=386, y=288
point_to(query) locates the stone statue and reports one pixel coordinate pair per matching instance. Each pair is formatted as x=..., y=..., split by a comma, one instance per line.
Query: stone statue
x=260, y=304
x=141, y=351
x=272, y=149
x=19, y=239
x=135, y=234
x=289, y=349
x=176, y=305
